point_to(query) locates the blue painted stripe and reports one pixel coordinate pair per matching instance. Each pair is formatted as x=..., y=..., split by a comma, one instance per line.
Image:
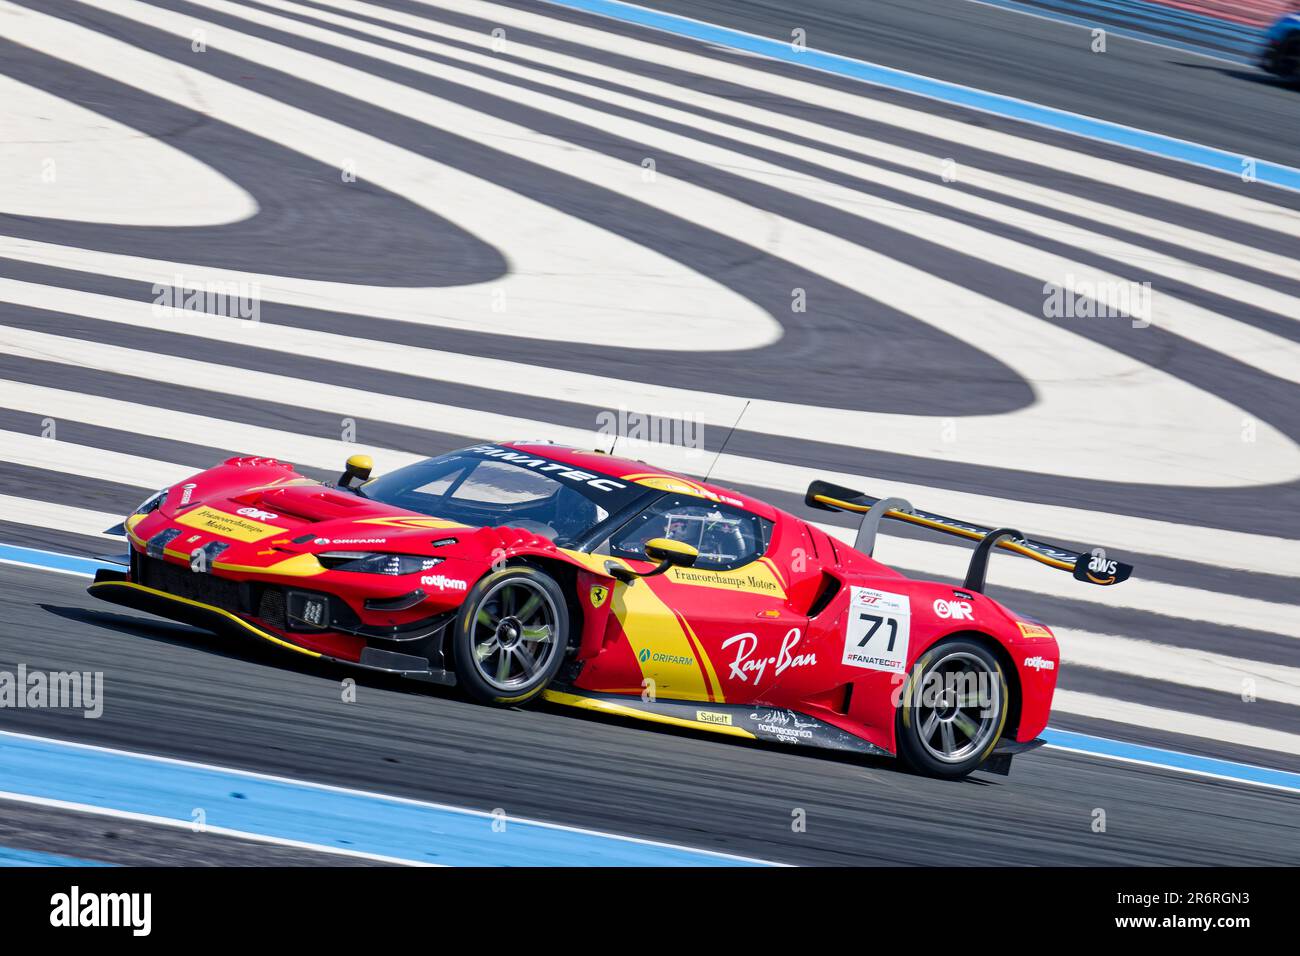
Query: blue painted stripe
x=53, y=560
x=1173, y=759
x=1201, y=49
x=9, y=856
x=1155, y=144
x=313, y=813
x=1125, y=32
x=1214, y=42
x=1144, y=14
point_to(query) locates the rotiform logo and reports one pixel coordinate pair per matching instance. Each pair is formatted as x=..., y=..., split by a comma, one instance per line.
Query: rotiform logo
x=74, y=908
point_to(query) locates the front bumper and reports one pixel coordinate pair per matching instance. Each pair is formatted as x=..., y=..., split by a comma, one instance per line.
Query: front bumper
x=214, y=604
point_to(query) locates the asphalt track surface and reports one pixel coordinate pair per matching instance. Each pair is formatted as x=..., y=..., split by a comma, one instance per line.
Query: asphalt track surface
x=178, y=692
x=1161, y=89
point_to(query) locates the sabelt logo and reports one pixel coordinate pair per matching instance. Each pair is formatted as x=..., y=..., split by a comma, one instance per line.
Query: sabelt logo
x=713, y=717
x=1040, y=664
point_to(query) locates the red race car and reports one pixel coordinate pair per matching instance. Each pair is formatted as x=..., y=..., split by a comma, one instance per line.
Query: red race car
x=526, y=570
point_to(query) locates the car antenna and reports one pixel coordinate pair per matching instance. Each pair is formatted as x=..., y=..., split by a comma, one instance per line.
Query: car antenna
x=726, y=440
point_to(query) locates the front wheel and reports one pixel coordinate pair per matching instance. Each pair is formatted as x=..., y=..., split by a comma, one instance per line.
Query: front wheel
x=511, y=635
x=953, y=709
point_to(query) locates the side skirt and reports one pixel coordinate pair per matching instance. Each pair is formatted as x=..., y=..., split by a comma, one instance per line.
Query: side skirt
x=774, y=724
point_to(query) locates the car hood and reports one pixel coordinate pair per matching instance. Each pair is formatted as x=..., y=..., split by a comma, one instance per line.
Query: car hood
x=264, y=516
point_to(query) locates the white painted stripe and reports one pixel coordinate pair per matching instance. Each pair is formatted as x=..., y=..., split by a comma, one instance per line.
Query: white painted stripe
x=33, y=451
x=207, y=828
x=545, y=248
x=868, y=149
x=63, y=161
x=1126, y=401
x=1174, y=722
x=1170, y=188
x=1160, y=765
x=60, y=517
x=236, y=437
x=1206, y=670
x=1246, y=343
x=1120, y=533
x=10, y=562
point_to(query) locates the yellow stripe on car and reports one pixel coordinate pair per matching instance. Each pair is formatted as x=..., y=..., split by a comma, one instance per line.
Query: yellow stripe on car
x=623, y=710
x=256, y=631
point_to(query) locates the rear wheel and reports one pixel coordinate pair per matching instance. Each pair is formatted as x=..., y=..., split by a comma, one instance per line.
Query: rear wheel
x=953, y=709
x=511, y=635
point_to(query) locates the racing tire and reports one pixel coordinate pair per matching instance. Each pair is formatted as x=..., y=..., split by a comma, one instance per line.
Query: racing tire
x=952, y=709
x=511, y=635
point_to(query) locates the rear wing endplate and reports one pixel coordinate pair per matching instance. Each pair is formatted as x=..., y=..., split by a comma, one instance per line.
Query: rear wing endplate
x=1092, y=567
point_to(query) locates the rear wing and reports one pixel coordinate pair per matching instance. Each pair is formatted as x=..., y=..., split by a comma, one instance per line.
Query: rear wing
x=1092, y=567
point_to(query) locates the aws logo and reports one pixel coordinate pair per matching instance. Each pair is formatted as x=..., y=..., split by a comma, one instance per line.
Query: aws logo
x=1096, y=568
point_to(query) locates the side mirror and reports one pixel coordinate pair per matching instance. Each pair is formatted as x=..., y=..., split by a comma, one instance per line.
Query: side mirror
x=667, y=552
x=671, y=553
x=356, y=471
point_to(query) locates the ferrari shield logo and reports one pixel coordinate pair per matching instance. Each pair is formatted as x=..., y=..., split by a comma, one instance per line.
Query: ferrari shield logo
x=598, y=594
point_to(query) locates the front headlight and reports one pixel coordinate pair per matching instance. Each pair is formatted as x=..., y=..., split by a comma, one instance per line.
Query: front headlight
x=152, y=503
x=371, y=563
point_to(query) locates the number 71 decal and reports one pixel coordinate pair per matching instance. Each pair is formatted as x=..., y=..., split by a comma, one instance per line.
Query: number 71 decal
x=877, y=631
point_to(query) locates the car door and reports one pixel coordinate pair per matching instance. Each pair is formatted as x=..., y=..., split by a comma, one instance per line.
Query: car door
x=723, y=630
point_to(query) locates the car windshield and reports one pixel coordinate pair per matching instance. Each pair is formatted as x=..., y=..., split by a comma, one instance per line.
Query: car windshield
x=491, y=486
